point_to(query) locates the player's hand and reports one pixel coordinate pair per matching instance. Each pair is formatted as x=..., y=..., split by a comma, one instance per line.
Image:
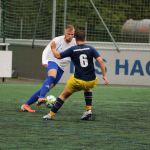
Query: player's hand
x=45, y=65
x=106, y=80
x=53, y=45
x=54, y=51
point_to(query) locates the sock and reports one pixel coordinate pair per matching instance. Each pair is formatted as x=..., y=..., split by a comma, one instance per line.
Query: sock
x=33, y=98
x=58, y=104
x=88, y=100
x=46, y=86
x=52, y=114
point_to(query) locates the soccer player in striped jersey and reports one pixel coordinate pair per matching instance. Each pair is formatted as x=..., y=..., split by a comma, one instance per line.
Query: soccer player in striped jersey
x=54, y=67
x=84, y=77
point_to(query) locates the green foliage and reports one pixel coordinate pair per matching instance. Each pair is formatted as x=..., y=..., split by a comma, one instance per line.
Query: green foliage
x=30, y=14
x=79, y=13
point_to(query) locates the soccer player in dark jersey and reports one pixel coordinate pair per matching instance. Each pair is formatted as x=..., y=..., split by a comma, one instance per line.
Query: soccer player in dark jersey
x=84, y=77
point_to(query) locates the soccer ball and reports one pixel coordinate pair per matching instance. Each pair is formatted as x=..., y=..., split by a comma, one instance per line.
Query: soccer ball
x=51, y=99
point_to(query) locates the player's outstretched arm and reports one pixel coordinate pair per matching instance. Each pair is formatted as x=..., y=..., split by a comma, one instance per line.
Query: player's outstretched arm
x=54, y=51
x=102, y=66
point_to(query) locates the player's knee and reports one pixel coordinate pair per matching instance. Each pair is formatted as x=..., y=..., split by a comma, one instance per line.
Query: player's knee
x=52, y=72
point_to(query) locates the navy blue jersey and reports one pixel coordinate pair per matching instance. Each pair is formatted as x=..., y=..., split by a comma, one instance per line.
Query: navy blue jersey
x=82, y=58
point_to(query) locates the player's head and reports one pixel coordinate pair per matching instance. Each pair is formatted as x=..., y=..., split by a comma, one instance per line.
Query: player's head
x=69, y=33
x=80, y=35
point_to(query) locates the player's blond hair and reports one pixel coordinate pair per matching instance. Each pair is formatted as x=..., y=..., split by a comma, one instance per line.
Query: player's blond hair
x=70, y=27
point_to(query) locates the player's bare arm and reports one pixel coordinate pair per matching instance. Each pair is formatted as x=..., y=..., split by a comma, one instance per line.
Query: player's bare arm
x=102, y=66
x=54, y=51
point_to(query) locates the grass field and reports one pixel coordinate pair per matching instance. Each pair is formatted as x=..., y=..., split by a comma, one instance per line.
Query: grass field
x=122, y=120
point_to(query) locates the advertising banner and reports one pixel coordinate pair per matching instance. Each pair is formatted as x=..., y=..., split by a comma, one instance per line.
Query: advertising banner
x=129, y=67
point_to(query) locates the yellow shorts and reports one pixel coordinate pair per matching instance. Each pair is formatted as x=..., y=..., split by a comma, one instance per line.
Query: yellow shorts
x=74, y=84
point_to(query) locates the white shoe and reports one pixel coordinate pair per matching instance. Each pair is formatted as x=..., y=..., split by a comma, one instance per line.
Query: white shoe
x=48, y=117
x=87, y=115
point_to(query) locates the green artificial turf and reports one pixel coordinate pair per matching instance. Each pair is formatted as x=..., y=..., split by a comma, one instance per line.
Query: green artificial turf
x=122, y=120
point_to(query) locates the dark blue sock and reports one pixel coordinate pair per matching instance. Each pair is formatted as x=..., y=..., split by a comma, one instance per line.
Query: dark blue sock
x=46, y=86
x=57, y=105
x=88, y=98
x=33, y=98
